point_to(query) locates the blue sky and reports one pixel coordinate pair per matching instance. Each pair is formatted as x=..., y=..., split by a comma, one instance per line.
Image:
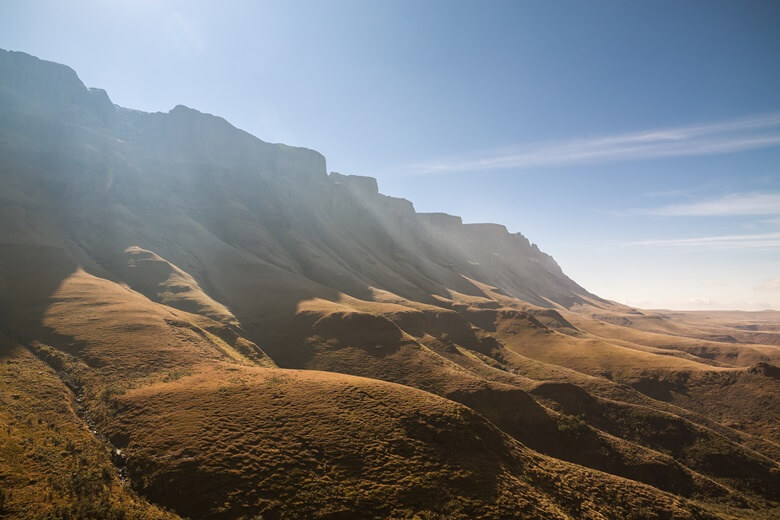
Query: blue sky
x=637, y=142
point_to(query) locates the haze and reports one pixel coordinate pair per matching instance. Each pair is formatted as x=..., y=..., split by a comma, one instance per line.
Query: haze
x=637, y=144
x=441, y=260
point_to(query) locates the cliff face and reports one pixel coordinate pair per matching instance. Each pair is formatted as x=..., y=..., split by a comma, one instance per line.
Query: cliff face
x=191, y=187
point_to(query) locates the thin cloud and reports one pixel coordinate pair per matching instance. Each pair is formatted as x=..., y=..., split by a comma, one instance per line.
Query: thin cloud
x=725, y=137
x=728, y=205
x=760, y=305
x=769, y=285
x=701, y=301
x=762, y=240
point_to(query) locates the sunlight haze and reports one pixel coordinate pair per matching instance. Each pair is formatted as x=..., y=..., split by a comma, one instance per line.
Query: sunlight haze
x=637, y=143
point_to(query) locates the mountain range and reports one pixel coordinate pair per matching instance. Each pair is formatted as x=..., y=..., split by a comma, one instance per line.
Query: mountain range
x=196, y=323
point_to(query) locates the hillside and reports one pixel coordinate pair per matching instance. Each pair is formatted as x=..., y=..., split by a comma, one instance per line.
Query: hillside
x=226, y=330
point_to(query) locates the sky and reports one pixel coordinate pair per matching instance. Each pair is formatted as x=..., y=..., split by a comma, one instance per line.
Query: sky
x=636, y=142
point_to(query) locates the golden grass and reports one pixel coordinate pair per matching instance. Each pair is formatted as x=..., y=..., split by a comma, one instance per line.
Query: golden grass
x=154, y=376
x=161, y=281
x=51, y=466
x=320, y=445
x=670, y=336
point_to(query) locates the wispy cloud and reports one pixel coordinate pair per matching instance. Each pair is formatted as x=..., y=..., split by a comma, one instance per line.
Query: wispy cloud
x=724, y=137
x=762, y=240
x=772, y=284
x=701, y=301
x=728, y=205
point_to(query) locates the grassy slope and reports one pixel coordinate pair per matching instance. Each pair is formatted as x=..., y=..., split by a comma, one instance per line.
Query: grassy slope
x=110, y=340
x=354, y=336
x=744, y=397
x=665, y=333
x=51, y=466
x=127, y=355
x=324, y=445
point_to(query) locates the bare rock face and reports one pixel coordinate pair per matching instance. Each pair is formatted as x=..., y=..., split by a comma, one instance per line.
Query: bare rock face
x=365, y=186
x=441, y=220
x=133, y=170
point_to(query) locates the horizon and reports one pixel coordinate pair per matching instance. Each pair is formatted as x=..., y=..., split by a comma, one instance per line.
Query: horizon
x=673, y=205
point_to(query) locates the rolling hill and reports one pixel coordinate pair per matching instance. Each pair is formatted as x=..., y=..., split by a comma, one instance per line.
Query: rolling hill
x=196, y=323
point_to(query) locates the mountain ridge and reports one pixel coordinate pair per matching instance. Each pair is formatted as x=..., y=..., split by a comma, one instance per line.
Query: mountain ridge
x=171, y=265
x=202, y=127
